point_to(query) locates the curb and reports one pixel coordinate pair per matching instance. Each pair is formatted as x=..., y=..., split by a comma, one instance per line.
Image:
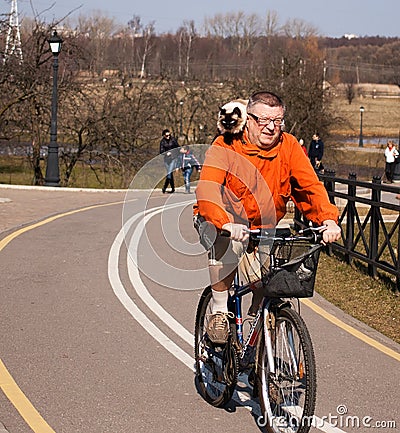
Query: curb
x=64, y=189
x=57, y=188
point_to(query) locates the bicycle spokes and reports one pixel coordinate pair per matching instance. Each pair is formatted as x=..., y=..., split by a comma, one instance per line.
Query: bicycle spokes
x=288, y=396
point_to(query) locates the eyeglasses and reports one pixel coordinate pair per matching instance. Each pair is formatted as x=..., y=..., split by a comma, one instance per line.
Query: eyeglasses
x=262, y=122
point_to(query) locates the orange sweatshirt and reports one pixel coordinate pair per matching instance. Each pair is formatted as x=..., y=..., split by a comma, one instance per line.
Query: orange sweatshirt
x=241, y=183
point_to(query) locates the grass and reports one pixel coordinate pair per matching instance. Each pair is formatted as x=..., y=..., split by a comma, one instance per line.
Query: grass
x=381, y=117
x=367, y=299
x=16, y=170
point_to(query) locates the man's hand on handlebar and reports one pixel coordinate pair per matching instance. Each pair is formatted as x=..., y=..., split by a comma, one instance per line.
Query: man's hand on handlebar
x=331, y=232
x=239, y=232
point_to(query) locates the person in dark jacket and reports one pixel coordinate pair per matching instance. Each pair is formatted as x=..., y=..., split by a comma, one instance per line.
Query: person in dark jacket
x=187, y=162
x=167, y=145
x=316, y=152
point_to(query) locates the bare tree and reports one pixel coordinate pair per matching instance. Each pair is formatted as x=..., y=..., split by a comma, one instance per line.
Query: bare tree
x=271, y=24
x=148, y=34
x=350, y=92
x=186, y=35
x=24, y=112
x=241, y=28
x=299, y=29
x=99, y=29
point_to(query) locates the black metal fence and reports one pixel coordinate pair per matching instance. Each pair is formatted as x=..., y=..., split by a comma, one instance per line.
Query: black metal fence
x=369, y=219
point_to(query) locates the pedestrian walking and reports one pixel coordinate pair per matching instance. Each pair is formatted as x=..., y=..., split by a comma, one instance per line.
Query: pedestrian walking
x=168, y=144
x=187, y=162
x=391, y=155
x=316, y=152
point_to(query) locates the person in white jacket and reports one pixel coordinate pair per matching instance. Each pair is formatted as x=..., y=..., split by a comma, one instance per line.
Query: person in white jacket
x=391, y=155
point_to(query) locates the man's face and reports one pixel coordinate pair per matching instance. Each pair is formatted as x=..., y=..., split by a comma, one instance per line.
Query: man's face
x=264, y=125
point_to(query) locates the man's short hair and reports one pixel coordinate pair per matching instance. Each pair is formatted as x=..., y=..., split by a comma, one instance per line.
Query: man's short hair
x=165, y=131
x=266, y=98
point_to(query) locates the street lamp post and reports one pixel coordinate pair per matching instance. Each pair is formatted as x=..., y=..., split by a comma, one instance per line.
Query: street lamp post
x=52, y=170
x=180, y=122
x=361, y=142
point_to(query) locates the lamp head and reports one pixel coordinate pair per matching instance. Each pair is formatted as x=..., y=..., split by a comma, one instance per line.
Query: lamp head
x=55, y=43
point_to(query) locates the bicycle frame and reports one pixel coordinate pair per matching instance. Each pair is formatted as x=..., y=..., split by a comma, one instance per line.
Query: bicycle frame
x=235, y=300
x=263, y=312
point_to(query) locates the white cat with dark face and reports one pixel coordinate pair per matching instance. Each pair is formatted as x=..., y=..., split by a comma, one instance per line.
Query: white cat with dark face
x=232, y=117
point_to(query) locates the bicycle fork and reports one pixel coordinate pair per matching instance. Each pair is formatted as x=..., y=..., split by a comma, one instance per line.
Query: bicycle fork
x=269, y=366
x=270, y=327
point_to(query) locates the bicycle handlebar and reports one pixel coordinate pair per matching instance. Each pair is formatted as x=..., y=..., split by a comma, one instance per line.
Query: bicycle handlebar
x=311, y=234
x=225, y=233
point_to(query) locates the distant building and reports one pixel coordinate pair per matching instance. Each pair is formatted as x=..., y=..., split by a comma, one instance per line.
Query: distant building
x=350, y=36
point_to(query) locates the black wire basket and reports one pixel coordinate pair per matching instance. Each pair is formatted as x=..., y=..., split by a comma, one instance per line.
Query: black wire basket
x=293, y=270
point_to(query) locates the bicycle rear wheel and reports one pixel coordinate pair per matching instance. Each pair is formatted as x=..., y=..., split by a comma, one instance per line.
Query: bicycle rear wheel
x=287, y=394
x=216, y=365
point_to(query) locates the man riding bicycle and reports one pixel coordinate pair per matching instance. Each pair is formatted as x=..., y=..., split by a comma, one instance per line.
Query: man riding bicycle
x=246, y=184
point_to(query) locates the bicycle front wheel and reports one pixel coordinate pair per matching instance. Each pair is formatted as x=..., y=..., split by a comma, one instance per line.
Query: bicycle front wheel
x=216, y=365
x=286, y=374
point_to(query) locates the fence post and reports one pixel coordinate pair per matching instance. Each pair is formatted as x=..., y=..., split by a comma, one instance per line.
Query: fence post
x=329, y=183
x=351, y=211
x=397, y=288
x=374, y=225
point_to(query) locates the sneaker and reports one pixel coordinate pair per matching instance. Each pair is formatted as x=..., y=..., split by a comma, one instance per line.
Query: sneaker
x=218, y=327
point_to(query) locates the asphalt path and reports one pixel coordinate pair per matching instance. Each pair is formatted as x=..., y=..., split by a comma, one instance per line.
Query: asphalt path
x=97, y=313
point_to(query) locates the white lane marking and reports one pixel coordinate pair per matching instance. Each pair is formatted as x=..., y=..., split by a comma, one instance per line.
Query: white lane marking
x=141, y=289
x=153, y=330
x=131, y=307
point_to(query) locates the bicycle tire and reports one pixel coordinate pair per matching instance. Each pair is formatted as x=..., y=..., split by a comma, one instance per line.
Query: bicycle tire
x=287, y=397
x=216, y=365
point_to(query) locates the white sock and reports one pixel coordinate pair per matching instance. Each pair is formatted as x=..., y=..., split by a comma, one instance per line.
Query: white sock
x=219, y=301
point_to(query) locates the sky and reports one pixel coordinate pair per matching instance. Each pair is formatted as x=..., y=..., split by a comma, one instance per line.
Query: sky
x=333, y=18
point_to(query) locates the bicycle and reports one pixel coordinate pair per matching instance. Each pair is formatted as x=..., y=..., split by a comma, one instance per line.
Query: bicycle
x=277, y=352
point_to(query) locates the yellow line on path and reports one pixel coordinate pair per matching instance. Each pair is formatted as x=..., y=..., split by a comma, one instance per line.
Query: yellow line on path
x=351, y=330
x=7, y=383
x=4, y=242
x=21, y=403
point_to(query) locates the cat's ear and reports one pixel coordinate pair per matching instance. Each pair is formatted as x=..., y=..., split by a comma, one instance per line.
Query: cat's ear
x=222, y=110
x=237, y=111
